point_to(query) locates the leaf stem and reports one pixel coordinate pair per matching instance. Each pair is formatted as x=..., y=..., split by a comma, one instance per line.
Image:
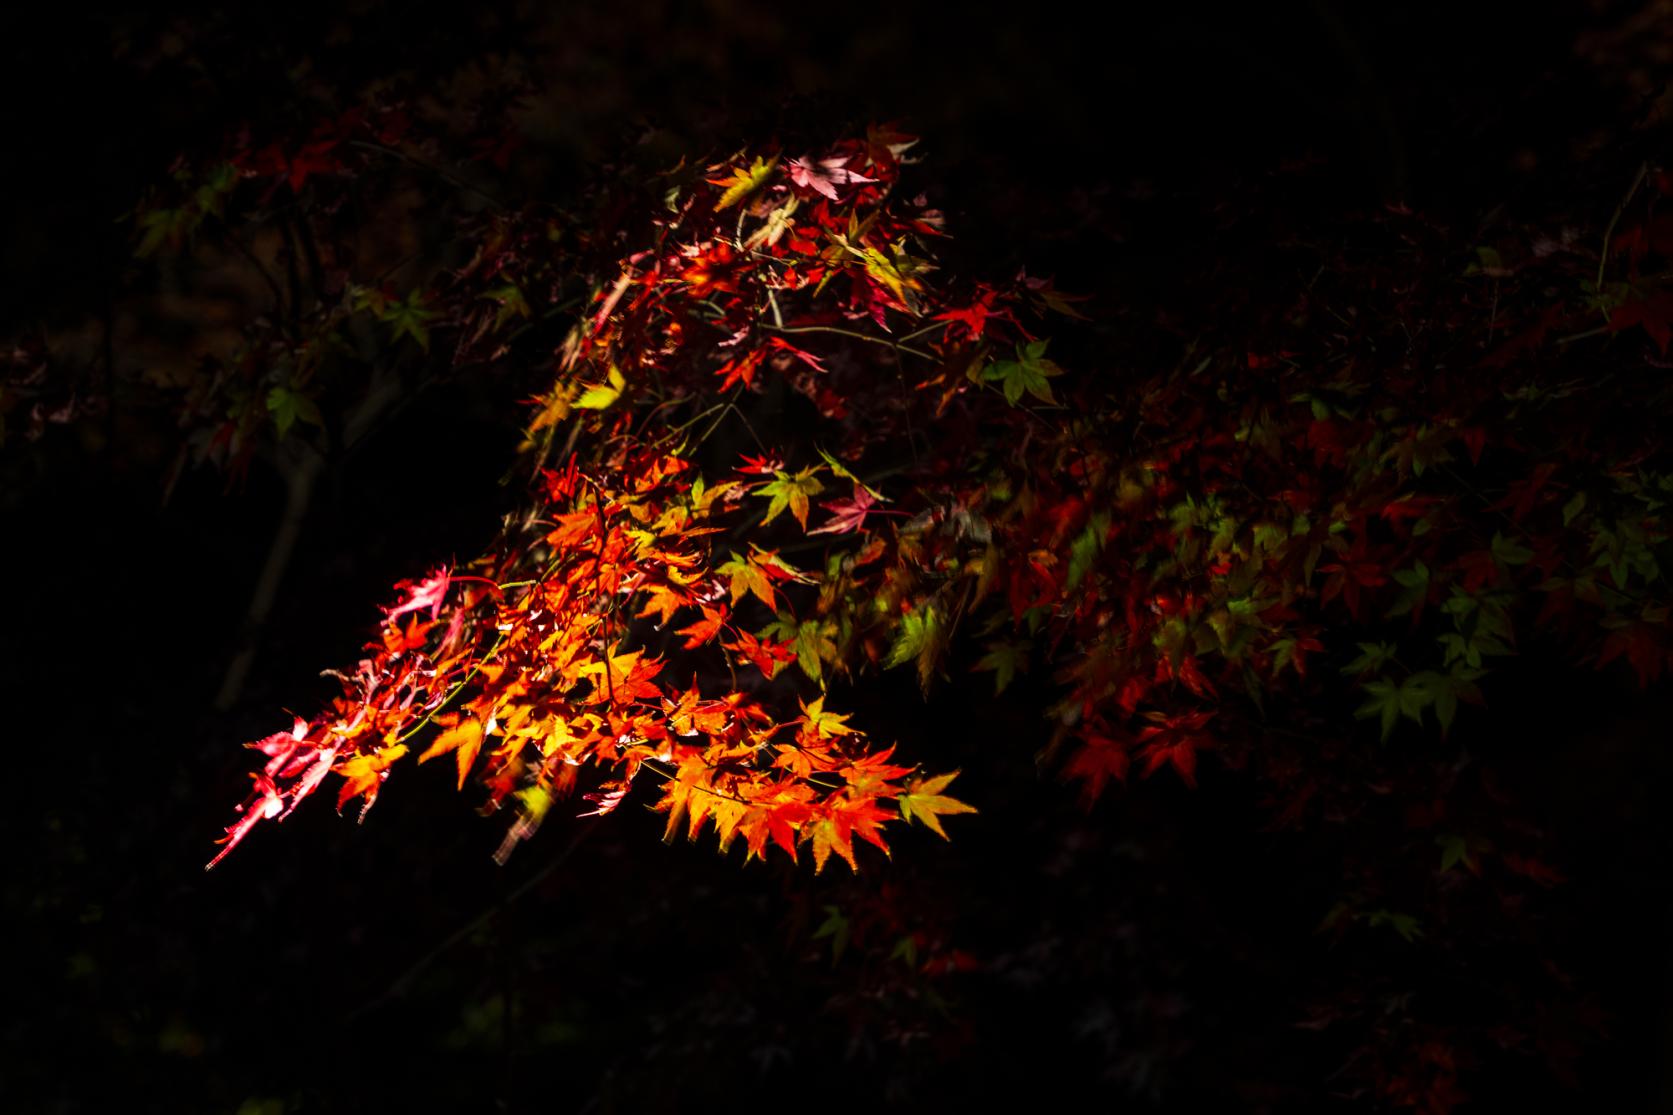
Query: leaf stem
x=858, y=336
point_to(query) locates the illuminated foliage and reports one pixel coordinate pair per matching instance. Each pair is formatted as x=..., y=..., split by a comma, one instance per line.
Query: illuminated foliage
x=1183, y=552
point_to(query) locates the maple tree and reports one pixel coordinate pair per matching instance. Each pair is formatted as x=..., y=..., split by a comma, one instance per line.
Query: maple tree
x=1176, y=572
x=775, y=447
x=1230, y=561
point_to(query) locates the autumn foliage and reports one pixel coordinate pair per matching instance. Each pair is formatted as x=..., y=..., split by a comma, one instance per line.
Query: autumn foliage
x=1207, y=560
x=775, y=446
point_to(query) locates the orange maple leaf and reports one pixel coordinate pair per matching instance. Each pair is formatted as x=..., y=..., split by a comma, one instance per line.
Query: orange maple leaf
x=464, y=740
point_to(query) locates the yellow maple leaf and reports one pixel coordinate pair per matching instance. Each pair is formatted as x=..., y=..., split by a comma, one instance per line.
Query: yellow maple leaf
x=741, y=183
x=924, y=802
x=601, y=395
x=363, y=773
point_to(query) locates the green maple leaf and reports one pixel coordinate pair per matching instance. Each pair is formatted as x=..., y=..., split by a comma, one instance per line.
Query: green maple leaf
x=1414, y=587
x=1029, y=373
x=1389, y=701
x=1509, y=552
x=811, y=639
x=1404, y=924
x=288, y=406
x=1004, y=659
x=1575, y=505
x=919, y=640
x=162, y=226
x=1372, y=656
x=1085, y=548
x=1447, y=689
x=511, y=301
x=409, y=318
x=836, y=927
x=1455, y=850
x=792, y=492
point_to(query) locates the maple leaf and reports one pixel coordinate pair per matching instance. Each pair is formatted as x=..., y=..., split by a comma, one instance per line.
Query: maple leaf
x=428, y=593
x=629, y=677
x=924, y=802
x=919, y=639
x=835, y=926
x=1391, y=700
x=894, y=275
x=973, y=317
x=740, y=369
x=1029, y=373
x=1055, y=300
x=748, y=577
x=870, y=775
x=1098, y=761
x=764, y=654
x=509, y=298
x=288, y=406
x=1653, y=312
x=792, y=492
x=742, y=183
x=362, y=774
x=822, y=723
x=812, y=361
x=825, y=175
x=830, y=835
x=756, y=574
x=1004, y=659
x=704, y=629
x=1174, y=739
x=601, y=395
x=311, y=159
x=264, y=803
x=766, y=463
x=410, y=318
x=663, y=601
x=847, y=515
x=778, y=223
x=1641, y=642
x=691, y=715
x=463, y=739
x=813, y=639
x=163, y=226
x=414, y=636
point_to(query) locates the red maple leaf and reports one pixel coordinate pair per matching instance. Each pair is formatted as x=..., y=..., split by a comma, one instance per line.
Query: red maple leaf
x=973, y=317
x=847, y=515
x=1174, y=740
x=825, y=175
x=428, y=593
x=1654, y=312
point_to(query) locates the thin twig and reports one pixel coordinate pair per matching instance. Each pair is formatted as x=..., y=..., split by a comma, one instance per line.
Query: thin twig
x=930, y=328
x=858, y=336
x=446, y=176
x=452, y=693
x=1609, y=230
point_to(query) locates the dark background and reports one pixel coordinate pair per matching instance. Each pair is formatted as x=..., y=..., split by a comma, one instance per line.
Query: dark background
x=1150, y=951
